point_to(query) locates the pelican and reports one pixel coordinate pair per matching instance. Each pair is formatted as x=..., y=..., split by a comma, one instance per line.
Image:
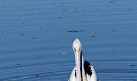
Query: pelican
x=83, y=71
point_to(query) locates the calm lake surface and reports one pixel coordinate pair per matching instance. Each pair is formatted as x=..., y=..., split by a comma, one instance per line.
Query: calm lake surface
x=36, y=38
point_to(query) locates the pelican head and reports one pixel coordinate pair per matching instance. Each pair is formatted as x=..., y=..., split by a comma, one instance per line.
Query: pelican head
x=77, y=47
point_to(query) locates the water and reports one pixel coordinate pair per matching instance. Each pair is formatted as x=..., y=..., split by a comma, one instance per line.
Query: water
x=36, y=38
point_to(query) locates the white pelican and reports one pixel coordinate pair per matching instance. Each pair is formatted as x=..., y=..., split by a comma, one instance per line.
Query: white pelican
x=83, y=71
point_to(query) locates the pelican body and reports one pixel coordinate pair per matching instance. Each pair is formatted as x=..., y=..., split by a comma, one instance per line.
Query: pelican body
x=83, y=71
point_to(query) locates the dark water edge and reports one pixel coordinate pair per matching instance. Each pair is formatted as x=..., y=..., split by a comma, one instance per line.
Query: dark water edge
x=36, y=38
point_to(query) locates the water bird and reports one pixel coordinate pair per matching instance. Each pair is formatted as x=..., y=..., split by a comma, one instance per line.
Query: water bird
x=83, y=70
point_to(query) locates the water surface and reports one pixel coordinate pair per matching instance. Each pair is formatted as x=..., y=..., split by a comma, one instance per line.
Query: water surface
x=36, y=38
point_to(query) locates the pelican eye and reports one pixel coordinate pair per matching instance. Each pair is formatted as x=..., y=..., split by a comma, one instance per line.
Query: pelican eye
x=74, y=49
x=79, y=48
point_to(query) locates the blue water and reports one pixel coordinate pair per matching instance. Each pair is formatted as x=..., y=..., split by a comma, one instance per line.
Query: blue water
x=36, y=38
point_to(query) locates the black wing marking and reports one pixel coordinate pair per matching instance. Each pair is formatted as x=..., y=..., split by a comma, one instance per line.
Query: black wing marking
x=87, y=68
x=75, y=73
